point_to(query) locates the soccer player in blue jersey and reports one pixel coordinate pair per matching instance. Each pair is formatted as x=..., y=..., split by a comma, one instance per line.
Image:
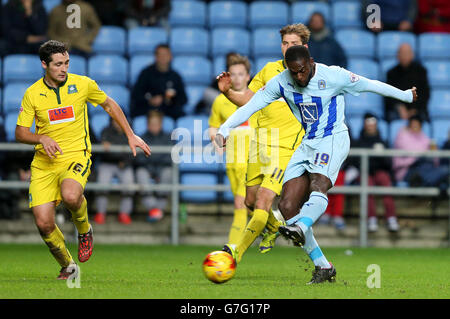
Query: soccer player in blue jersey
x=315, y=95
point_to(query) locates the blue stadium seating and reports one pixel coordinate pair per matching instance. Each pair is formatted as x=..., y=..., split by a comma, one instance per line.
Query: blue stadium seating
x=385, y=66
x=227, y=13
x=196, y=125
x=143, y=40
x=110, y=40
x=139, y=124
x=193, y=69
x=434, y=46
x=439, y=105
x=184, y=41
x=22, y=67
x=98, y=122
x=261, y=62
x=12, y=97
x=225, y=40
x=440, y=131
x=194, y=94
x=199, y=179
x=356, y=123
x=108, y=69
x=10, y=126
x=268, y=14
x=364, y=67
x=137, y=64
x=219, y=65
x=438, y=73
x=346, y=14
x=396, y=125
x=266, y=42
x=188, y=13
x=302, y=11
x=77, y=65
x=201, y=165
x=50, y=4
x=120, y=94
x=365, y=102
x=388, y=43
x=357, y=43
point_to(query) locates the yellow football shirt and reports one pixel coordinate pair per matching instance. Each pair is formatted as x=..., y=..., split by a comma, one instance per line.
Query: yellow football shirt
x=277, y=115
x=239, y=140
x=61, y=113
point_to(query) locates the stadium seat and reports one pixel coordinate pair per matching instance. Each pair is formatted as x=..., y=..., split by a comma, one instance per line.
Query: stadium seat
x=356, y=124
x=268, y=14
x=77, y=64
x=227, y=13
x=120, y=94
x=397, y=125
x=434, y=46
x=364, y=67
x=302, y=11
x=193, y=128
x=261, y=62
x=110, y=40
x=12, y=97
x=143, y=40
x=189, y=41
x=108, y=69
x=388, y=43
x=266, y=42
x=137, y=64
x=357, y=43
x=346, y=14
x=98, y=122
x=188, y=13
x=193, y=69
x=212, y=166
x=199, y=179
x=385, y=66
x=219, y=65
x=194, y=94
x=10, y=126
x=438, y=73
x=225, y=40
x=440, y=131
x=50, y=4
x=22, y=67
x=139, y=124
x=365, y=102
x=439, y=105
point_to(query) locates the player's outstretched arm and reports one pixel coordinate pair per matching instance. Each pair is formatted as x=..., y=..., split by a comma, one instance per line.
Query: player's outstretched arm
x=238, y=98
x=24, y=135
x=407, y=96
x=134, y=141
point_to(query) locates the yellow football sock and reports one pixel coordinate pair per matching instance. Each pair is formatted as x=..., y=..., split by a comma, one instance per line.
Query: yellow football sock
x=80, y=218
x=254, y=227
x=55, y=241
x=272, y=223
x=238, y=225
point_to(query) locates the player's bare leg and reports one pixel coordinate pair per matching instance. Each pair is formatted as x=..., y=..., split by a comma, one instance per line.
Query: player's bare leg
x=44, y=217
x=74, y=200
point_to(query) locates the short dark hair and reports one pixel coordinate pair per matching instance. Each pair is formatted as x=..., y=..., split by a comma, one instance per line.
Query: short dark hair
x=414, y=118
x=162, y=46
x=296, y=53
x=47, y=49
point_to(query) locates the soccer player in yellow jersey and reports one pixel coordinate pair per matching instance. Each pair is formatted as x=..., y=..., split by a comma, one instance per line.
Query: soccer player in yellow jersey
x=61, y=164
x=278, y=134
x=239, y=142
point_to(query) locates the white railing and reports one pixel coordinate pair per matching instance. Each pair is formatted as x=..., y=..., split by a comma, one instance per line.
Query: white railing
x=363, y=190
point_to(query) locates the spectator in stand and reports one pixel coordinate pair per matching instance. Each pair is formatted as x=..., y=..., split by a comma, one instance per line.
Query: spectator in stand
x=79, y=37
x=156, y=168
x=433, y=16
x=406, y=74
x=322, y=45
x=110, y=12
x=114, y=165
x=396, y=15
x=24, y=24
x=147, y=13
x=159, y=88
x=379, y=173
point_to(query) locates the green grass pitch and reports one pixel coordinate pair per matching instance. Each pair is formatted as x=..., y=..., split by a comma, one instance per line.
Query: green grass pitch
x=174, y=272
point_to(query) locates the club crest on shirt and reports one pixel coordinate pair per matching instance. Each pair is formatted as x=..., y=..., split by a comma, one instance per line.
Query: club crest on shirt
x=72, y=88
x=309, y=112
x=322, y=84
x=354, y=77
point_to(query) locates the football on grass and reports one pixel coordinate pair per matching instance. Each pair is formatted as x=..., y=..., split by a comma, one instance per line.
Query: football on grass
x=219, y=266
